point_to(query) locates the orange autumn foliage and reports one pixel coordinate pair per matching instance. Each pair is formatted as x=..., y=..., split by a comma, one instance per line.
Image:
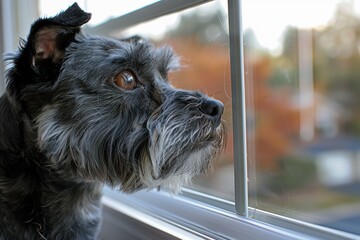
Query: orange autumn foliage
x=276, y=121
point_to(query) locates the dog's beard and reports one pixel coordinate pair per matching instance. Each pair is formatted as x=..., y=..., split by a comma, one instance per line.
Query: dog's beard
x=174, y=166
x=182, y=144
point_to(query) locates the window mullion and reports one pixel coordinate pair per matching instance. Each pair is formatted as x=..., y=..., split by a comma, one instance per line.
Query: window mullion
x=238, y=105
x=150, y=12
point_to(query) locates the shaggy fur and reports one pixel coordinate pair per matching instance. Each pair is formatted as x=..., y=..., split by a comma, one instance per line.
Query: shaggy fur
x=66, y=128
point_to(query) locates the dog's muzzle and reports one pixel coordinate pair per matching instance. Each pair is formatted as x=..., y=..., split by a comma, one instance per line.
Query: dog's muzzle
x=186, y=134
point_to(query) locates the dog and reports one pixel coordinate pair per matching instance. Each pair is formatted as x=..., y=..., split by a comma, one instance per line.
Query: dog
x=82, y=111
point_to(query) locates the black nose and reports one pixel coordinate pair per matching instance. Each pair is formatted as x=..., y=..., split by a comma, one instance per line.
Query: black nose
x=212, y=108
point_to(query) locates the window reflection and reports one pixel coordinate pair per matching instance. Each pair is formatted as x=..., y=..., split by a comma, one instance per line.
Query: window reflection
x=303, y=110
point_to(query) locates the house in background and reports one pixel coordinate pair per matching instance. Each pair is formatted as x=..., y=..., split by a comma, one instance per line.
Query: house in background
x=337, y=160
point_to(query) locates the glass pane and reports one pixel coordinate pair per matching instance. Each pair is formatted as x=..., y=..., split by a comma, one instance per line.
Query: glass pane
x=302, y=74
x=200, y=37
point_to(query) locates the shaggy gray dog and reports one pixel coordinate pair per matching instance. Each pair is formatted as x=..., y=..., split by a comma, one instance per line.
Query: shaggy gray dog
x=82, y=111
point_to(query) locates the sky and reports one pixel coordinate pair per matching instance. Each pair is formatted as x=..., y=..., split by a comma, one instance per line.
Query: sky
x=268, y=19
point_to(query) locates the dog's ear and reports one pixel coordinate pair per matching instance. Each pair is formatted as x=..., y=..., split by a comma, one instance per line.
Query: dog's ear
x=49, y=37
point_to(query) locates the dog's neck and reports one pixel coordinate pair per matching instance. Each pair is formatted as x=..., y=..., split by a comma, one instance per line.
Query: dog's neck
x=28, y=189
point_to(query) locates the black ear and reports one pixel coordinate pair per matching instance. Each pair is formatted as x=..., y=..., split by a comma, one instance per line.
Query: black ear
x=40, y=57
x=49, y=37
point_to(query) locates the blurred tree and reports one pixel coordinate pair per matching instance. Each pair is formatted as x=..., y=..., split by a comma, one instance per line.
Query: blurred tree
x=336, y=64
x=276, y=121
x=206, y=27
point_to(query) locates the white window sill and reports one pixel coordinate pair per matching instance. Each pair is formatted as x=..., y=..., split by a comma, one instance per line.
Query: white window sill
x=182, y=217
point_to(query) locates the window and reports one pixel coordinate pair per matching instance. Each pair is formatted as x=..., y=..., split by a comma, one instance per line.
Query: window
x=287, y=73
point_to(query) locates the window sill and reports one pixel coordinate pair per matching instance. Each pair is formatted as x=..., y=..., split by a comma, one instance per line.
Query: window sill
x=182, y=217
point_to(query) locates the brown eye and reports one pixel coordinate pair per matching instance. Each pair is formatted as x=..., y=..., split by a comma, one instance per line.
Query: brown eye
x=125, y=80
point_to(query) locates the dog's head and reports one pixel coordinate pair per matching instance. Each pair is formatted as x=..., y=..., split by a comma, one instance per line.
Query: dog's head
x=103, y=110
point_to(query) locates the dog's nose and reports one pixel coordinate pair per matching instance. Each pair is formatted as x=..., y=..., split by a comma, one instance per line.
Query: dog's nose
x=212, y=108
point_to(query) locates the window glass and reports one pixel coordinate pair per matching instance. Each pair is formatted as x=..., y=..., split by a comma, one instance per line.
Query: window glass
x=302, y=77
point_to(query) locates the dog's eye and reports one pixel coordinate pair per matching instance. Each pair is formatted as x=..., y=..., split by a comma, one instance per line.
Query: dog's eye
x=125, y=80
